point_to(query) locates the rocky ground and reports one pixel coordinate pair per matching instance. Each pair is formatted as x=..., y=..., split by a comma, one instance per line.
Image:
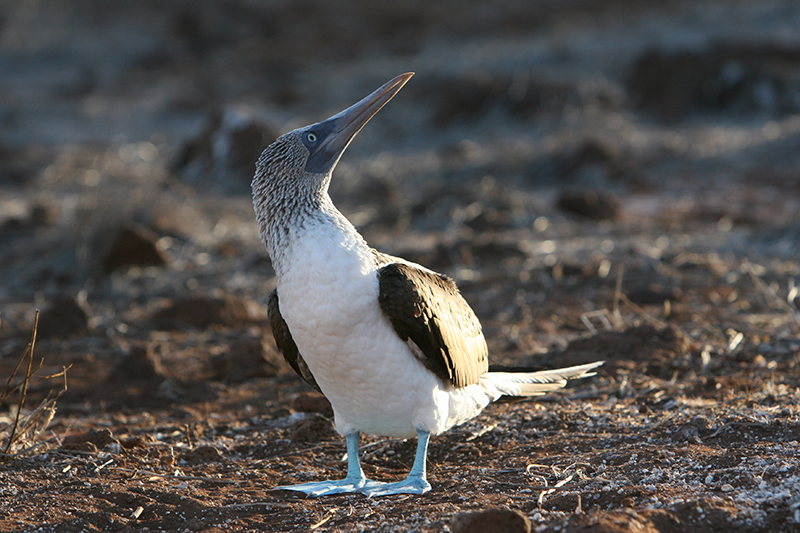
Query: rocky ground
x=606, y=180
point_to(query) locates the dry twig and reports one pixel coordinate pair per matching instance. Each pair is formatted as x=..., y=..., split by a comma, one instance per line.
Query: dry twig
x=37, y=420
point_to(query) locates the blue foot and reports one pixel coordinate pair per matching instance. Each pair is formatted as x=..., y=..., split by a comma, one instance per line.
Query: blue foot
x=326, y=488
x=415, y=483
x=410, y=485
x=354, y=482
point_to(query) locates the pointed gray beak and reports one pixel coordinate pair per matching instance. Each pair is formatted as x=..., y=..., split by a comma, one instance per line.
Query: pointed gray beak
x=327, y=140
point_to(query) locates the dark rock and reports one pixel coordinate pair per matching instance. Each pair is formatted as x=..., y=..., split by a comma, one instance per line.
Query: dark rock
x=64, y=318
x=142, y=364
x=593, y=157
x=591, y=163
x=315, y=428
x=739, y=77
x=312, y=402
x=202, y=455
x=202, y=312
x=90, y=441
x=495, y=520
x=688, y=433
x=133, y=246
x=594, y=204
x=622, y=521
x=592, y=152
x=224, y=154
x=138, y=441
x=659, y=350
x=248, y=358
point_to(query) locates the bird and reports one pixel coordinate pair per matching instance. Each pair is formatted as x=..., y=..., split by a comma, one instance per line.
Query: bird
x=393, y=345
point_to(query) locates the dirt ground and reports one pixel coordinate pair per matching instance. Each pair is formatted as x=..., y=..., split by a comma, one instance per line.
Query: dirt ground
x=609, y=180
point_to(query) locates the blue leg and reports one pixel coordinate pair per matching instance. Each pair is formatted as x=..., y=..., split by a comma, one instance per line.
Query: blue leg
x=416, y=482
x=354, y=481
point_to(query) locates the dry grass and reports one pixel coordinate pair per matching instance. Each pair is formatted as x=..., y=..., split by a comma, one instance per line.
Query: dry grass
x=22, y=434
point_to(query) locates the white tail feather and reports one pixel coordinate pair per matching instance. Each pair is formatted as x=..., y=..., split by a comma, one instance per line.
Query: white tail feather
x=498, y=384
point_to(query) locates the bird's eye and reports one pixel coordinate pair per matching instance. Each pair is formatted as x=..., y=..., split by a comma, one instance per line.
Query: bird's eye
x=311, y=137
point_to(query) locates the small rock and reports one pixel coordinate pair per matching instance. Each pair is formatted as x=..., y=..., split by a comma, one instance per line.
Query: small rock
x=202, y=312
x=64, y=318
x=702, y=424
x=689, y=433
x=495, y=520
x=592, y=162
x=727, y=487
x=628, y=502
x=88, y=447
x=312, y=402
x=656, y=351
x=224, y=154
x=594, y=204
x=202, y=455
x=315, y=428
x=90, y=441
x=133, y=246
x=248, y=358
x=142, y=364
x=137, y=441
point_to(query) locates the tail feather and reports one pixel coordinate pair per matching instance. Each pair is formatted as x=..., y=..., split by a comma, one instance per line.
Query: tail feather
x=498, y=384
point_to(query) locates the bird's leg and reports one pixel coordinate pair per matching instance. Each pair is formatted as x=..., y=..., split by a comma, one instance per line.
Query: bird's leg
x=354, y=481
x=416, y=482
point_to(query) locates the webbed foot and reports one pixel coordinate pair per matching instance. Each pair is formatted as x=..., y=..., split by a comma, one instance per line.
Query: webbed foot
x=325, y=488
x=410, y=485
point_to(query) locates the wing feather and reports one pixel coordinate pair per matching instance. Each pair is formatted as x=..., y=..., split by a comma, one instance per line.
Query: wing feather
x=427, y=309
x=285, y=342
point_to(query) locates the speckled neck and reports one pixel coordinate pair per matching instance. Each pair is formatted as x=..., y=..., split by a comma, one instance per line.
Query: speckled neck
x=289, y=202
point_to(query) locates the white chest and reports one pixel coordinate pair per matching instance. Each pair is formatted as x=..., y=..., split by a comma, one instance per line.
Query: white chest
x=327, y=281
x=328, y=290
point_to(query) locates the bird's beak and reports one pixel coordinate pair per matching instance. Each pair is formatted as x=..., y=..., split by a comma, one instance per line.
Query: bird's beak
x=336, y=133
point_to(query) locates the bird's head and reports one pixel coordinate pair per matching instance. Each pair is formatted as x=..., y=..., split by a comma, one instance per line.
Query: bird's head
x=294, y=171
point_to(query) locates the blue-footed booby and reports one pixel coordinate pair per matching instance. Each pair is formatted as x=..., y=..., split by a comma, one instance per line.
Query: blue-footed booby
x=393, y=345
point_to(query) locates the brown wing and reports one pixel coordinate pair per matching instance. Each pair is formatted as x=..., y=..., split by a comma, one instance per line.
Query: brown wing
x=285, y=342
x=427, y=308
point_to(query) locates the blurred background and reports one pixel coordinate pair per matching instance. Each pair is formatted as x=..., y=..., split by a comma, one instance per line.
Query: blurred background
x=605, y=179
x=537, y=138
x=149, y=115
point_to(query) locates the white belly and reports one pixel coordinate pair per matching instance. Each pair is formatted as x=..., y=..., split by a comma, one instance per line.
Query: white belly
x=328, y=290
